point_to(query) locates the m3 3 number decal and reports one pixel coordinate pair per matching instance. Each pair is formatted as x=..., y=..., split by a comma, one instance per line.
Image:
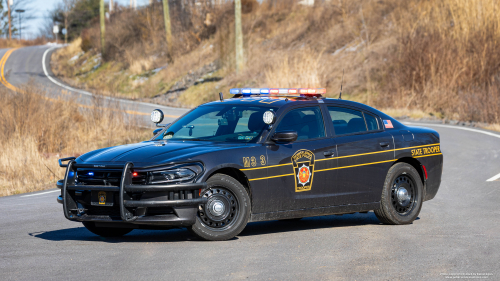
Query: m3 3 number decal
x=252, y=161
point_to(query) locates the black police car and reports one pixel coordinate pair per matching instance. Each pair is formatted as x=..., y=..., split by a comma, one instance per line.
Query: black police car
x=265, y=154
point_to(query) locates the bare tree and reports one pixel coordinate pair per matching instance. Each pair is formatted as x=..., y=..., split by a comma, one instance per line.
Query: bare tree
x=67, y=7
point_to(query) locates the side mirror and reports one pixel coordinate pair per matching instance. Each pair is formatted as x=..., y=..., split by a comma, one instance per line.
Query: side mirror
x=285, y=136
x=156, y=131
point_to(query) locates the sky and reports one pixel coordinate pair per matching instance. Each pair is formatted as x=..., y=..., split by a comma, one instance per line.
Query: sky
x=41, y=10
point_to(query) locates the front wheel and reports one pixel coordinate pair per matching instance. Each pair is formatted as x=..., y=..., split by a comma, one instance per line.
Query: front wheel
x=106, y=231
x=402, y=195
x=226, y=212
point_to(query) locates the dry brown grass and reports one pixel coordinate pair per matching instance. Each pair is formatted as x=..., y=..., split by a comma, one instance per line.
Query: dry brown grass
x=14, y=43
x=448, y=59
x=436, y=57
x=36, y=131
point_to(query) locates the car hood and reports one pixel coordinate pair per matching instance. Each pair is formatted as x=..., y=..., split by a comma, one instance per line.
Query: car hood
x=154, y=152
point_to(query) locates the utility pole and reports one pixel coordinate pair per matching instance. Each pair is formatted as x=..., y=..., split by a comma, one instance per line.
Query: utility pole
x=103, y=28
x=168, y=31
x=10, y=3
x=19, y=12
x=239, y=36
x=110, y=6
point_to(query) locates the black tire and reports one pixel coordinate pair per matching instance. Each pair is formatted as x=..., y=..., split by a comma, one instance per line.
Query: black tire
x=226, y=213
x=106, y=231
x=402, y=195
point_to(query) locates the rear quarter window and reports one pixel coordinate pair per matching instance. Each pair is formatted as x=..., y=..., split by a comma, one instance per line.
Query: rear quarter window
x=371, y=122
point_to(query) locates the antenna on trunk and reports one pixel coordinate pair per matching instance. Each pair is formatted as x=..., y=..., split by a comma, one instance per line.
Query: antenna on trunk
x=221, y=97
x=340, y=96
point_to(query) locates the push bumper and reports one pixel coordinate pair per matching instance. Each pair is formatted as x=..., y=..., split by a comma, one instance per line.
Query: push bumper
x=160, y=205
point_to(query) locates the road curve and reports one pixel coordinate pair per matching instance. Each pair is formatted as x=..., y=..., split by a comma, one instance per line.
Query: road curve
x=27, y=64
x=458, y=232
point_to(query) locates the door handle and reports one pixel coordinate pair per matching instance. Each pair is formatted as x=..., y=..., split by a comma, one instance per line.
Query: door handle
x=328, y=153
x=384, y=144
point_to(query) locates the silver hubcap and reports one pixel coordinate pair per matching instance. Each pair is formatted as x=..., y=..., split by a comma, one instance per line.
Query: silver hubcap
x=403, y=196
x=216, y=208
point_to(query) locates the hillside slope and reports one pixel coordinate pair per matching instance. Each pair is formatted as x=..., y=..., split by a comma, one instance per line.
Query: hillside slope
x=426, y=58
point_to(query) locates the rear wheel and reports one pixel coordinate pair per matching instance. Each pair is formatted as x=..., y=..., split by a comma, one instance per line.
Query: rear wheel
x=106, y=231
x=402, y=195
x=226, y=212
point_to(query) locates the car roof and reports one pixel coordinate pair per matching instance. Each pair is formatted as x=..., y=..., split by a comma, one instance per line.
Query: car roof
x=292, y=101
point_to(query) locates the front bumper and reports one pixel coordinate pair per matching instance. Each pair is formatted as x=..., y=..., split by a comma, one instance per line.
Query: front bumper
x=160, y=205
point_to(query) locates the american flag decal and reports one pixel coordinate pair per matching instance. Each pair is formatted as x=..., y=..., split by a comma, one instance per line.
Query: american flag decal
x=388, y=124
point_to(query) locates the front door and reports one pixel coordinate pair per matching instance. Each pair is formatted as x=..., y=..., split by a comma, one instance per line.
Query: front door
x=300, y=174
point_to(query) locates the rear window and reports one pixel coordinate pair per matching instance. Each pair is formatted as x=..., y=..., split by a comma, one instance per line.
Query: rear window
x=350, y=121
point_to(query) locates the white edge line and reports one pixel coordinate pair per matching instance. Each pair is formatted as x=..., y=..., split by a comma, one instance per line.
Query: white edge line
x=494, y=178
x=29, y=195
x=454, y=127
x=90, y=94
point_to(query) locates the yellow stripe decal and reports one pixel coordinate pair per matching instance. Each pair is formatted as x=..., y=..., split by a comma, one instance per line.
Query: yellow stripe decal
x=354, y=155
x=428, y=155
x=4, y=81
x=271, y=177
x=266, y=167
x=365, y=164
x=344, y=167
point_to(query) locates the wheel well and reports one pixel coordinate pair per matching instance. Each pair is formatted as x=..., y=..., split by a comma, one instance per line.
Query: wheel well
x=416, y=164
x=237, y=174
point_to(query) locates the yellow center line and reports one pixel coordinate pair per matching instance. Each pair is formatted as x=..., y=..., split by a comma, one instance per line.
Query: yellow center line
x=4, y=81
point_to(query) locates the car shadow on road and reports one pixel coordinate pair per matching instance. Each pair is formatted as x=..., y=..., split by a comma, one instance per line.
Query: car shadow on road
x=183, y=235
x=310, y=223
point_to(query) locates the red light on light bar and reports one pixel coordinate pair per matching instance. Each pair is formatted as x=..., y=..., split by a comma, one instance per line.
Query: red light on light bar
x=292, y=91
x=274, y=91
x=311, y=91
x=303, y=91
x=321, y=91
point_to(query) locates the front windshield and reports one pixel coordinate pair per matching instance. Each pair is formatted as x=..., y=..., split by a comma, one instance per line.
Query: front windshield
x=220, y=123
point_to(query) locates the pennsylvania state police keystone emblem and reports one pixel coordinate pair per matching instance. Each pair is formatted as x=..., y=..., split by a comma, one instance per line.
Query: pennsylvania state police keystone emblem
x=303, y=167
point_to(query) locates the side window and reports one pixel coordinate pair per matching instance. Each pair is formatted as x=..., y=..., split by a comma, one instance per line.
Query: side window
x=307, y=122
x=347, y=121
x=371, y=122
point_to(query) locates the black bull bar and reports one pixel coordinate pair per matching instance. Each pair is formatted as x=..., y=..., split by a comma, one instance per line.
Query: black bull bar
x=126, y=186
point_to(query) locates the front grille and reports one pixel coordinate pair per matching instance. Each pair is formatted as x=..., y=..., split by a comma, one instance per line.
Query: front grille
x=109, y=178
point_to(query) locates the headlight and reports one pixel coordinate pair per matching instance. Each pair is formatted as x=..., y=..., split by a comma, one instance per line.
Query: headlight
x=168, y=176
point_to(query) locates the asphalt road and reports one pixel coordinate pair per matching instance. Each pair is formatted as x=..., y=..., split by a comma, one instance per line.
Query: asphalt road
x=456, y=233
x=27, y=64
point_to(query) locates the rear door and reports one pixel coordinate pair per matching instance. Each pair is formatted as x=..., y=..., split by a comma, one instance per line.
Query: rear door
x=365, y=154
x=293, y=178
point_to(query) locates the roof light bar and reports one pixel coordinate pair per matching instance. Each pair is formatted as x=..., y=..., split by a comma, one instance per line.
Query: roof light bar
x=289, y=92
x=235, y=91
